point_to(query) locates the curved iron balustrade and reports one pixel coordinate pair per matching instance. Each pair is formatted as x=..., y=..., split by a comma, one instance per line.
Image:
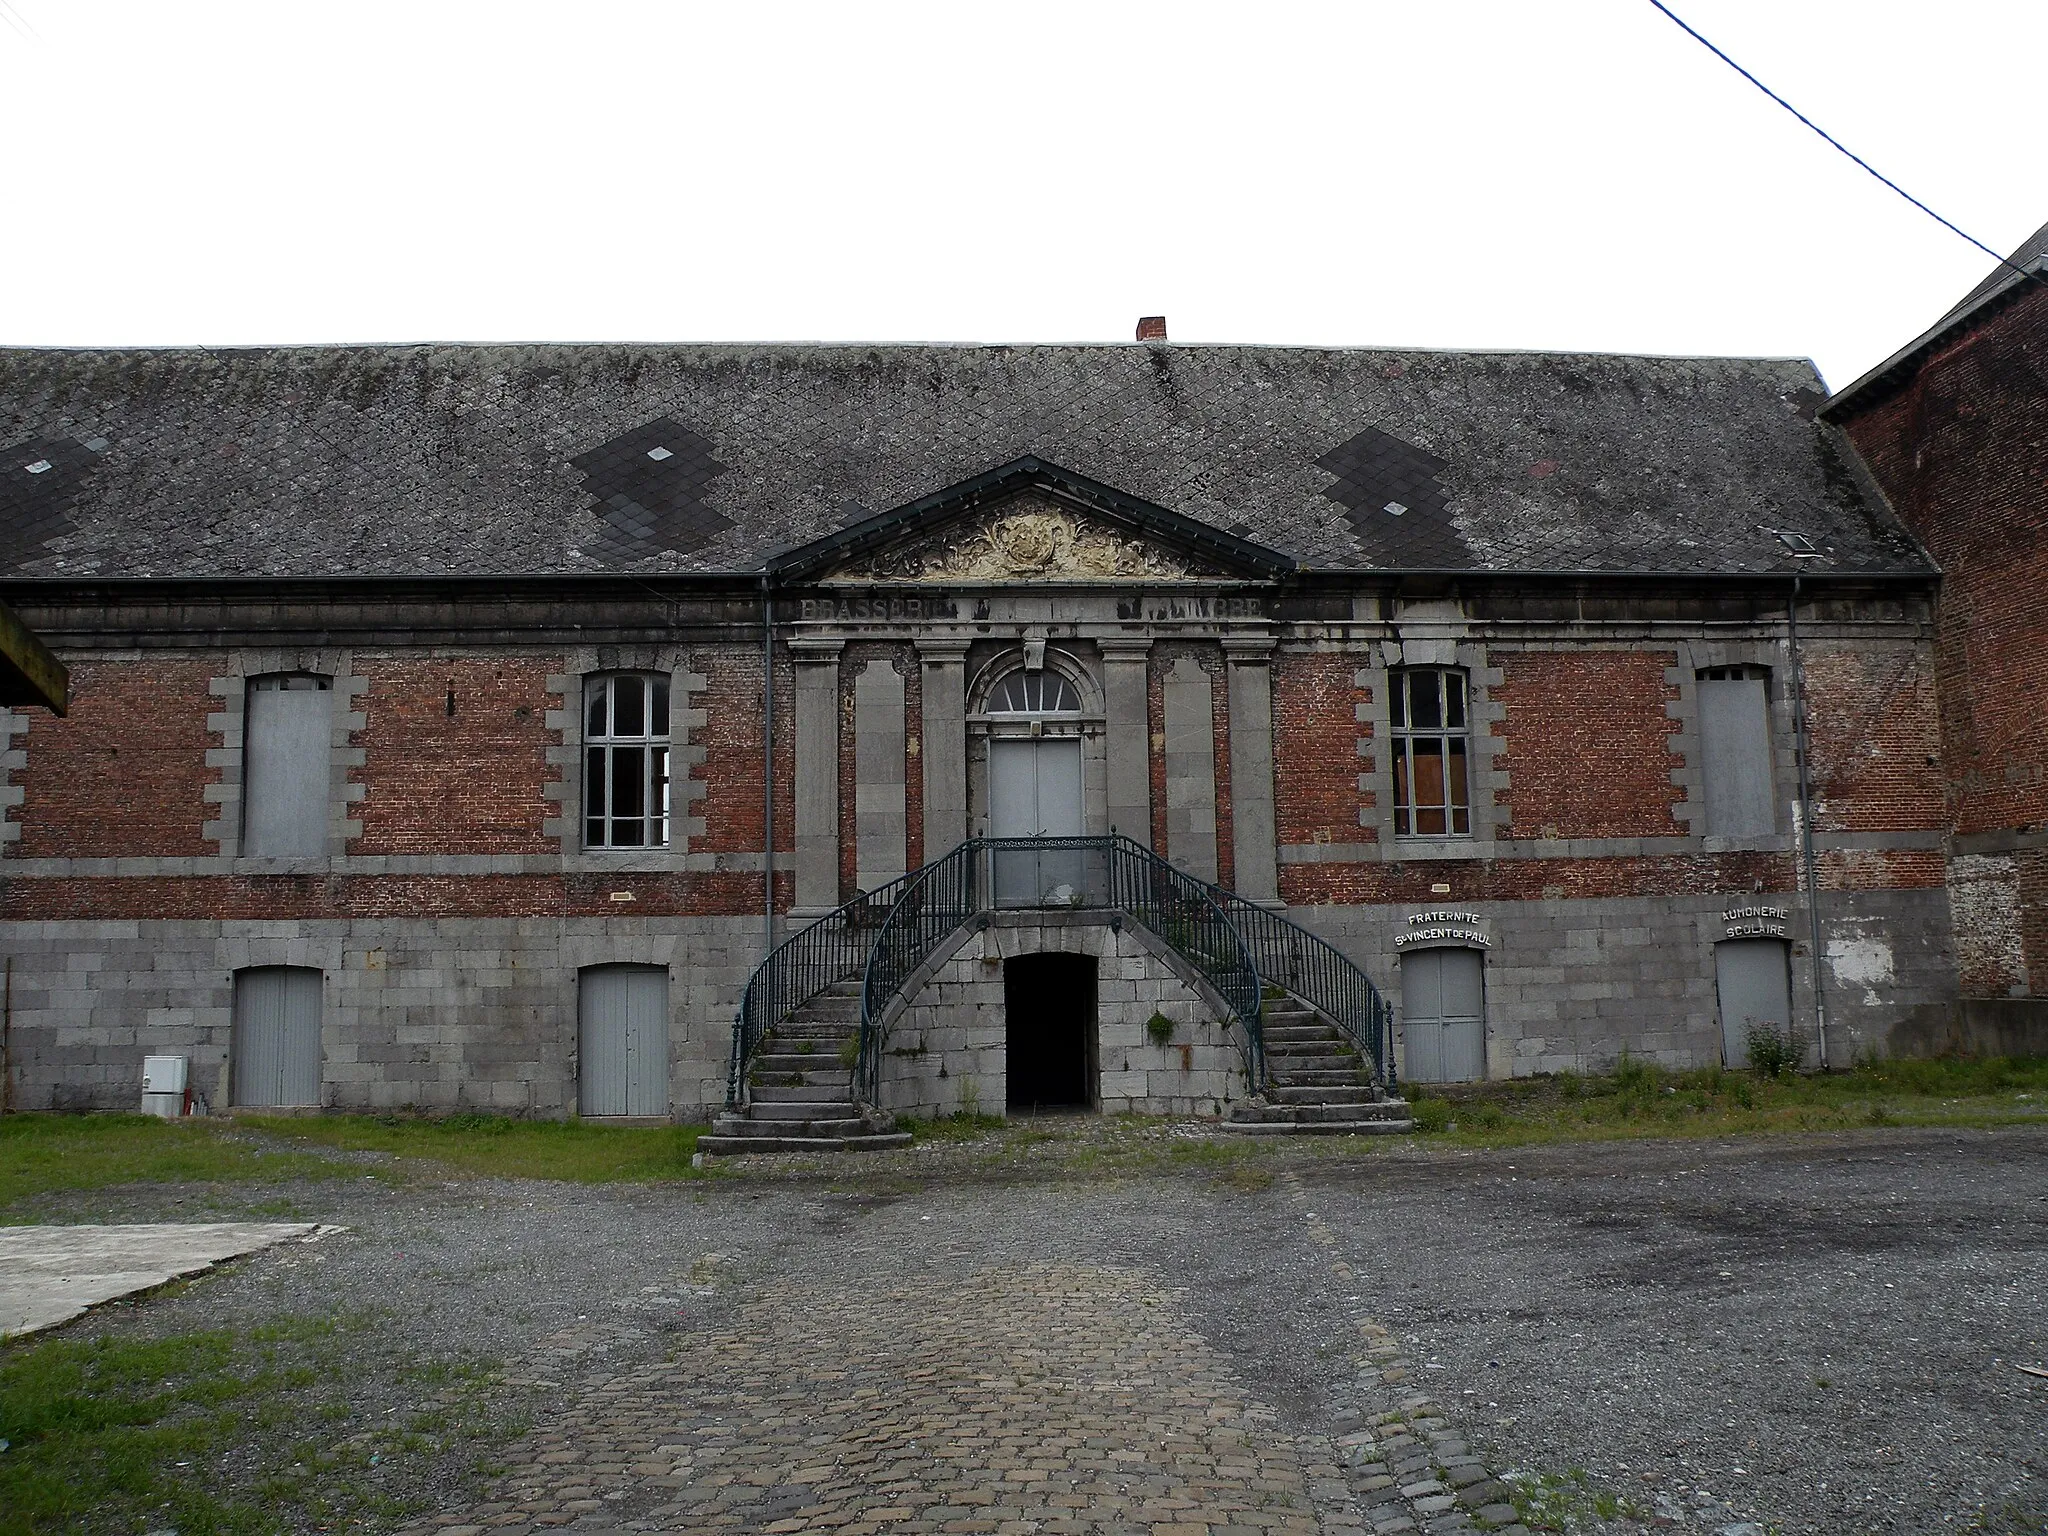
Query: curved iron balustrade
x=1022, y=873
x=886, y=934
x=1289, y=956
x=832, y=949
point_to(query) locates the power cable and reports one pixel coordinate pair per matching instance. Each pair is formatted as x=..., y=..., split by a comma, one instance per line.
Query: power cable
x=1695, y=35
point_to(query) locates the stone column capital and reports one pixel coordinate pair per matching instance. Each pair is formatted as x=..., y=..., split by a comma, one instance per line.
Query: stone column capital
x=814, y=647
x=940, y=650
x=1124, y=647
x=1248, y=650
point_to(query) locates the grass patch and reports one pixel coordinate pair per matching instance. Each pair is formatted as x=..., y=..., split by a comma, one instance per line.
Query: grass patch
x=46, y=1153
x=574, y=1151
x=213, y=1434
x=1638, y=1098
x=42, y=1154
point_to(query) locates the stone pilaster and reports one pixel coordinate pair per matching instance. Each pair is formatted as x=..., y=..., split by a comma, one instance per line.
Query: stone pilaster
x=817, y=775
x=1254, y=840
x=1128, y=735
x=943, y=745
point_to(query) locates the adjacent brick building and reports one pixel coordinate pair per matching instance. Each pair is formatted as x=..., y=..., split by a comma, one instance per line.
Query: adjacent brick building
x=420, y=715
x=1955, y=428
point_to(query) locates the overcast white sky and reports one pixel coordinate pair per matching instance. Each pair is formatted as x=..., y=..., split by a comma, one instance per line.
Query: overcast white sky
x=1565, y=174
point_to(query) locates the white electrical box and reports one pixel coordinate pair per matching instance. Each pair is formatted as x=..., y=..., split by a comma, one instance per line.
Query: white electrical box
x=163, y=1086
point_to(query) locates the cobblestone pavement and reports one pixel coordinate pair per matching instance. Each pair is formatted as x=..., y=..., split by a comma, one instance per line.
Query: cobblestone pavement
x=1058, y=1397
x=1800, y=1336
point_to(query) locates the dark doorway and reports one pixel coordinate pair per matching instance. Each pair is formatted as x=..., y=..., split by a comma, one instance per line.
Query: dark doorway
x=1049, y=1031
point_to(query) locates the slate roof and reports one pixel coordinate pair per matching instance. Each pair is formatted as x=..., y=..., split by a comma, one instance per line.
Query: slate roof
x=482, y=460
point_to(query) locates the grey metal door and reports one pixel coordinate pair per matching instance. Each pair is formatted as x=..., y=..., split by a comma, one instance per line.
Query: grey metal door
x=275, y=1056
x=1443, y=1013
x=1754, y=977
x=1034, y=790
x=622, y=1034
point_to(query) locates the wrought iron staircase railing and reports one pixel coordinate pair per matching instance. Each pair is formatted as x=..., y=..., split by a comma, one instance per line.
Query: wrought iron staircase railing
x=885, y=935
x=1112, y=873
x=832, y=949
x=1289, y=956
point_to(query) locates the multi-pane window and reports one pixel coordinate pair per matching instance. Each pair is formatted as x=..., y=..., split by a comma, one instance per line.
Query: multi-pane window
x=1432, y=793
x=1034, y=693
x=625, y=762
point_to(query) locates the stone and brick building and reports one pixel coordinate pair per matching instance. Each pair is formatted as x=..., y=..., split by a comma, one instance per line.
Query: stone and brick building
x=1955, y=428
x=434, y=709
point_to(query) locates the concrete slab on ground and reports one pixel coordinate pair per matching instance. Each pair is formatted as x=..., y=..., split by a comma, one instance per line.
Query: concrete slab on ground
x=49, y=1275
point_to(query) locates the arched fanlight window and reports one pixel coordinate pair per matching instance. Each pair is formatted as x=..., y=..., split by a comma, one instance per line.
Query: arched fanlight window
x=1034, y=693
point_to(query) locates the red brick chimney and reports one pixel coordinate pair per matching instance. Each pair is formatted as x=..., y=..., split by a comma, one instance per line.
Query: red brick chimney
x=1152, y=328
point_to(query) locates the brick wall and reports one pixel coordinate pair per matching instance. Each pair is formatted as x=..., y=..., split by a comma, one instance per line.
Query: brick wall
x=1962, y=452
x=1874, y=738
x=1316, y=765
x=731, y=737
x=124, y=775
x=455, y=754
x=1588, y=744
x=1413, y=880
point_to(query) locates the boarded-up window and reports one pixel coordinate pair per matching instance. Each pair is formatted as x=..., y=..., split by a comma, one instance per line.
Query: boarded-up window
x=623, y=1040
x=286, y=732
x=1735, y=750
x=276, y=1050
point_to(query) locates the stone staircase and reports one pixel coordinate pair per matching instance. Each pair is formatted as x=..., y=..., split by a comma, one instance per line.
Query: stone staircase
x=1316, y=1082
x=801, y=1094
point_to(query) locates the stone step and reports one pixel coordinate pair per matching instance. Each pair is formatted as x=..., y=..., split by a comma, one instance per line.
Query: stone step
x=744, y=1126
x=1319, y=1093
x=1303, y=1037
x=798, y=1061
x=733, y=1146
x=800, y=1109
x=800, y=1093
x=1304, y=1052
x=1347, y=1077
x=806, y=1042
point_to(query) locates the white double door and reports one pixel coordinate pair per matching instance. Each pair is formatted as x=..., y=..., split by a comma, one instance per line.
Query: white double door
x=1034, y=790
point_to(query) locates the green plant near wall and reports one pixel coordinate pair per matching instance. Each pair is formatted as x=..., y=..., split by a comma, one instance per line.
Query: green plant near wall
x=1159, y=1029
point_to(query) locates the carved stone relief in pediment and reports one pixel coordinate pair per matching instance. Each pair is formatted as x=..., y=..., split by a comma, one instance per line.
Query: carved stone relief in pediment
x=1028, y=538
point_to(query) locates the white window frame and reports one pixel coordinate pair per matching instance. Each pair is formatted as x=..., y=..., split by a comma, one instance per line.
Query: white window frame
x=602, y=748
x=1453, y=687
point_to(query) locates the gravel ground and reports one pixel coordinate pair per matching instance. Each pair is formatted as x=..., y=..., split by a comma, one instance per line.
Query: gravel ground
x=1659, y=1317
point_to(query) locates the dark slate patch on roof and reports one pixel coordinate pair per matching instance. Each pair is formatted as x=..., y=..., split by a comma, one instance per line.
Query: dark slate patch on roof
x=503, y=460
x=649, y=484
x=1397, y=505
x=39, y=480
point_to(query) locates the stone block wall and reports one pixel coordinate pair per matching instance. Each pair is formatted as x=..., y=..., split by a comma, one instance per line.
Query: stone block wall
x=945, y=1043
x=1571, y=983
x=439, y=1015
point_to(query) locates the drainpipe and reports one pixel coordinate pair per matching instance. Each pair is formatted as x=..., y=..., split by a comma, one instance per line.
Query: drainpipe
x=1800, y=743
x=767, y=765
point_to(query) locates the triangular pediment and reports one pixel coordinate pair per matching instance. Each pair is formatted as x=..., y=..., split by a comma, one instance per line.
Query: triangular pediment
x=1029, y=522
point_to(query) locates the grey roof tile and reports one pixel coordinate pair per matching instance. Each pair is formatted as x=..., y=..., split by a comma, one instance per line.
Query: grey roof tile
x=535, y=459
